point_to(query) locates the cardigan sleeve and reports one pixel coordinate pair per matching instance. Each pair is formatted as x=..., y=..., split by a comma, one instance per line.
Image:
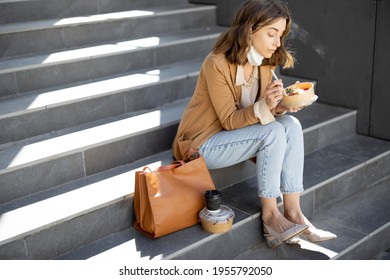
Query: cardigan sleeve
x=263, y=113
x=222, y=92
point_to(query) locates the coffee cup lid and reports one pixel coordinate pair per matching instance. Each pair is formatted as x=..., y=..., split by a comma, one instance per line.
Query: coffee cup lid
x=221, y=215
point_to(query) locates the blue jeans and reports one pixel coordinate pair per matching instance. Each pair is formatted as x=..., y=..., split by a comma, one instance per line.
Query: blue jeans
x=277, y=146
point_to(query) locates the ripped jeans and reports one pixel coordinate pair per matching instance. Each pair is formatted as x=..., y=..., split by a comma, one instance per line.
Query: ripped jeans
x=277, y=146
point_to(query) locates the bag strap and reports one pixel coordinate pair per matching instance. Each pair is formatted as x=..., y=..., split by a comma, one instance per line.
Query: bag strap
x=191, y=154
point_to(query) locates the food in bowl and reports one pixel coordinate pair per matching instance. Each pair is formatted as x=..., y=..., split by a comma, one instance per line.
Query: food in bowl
x=299, y=95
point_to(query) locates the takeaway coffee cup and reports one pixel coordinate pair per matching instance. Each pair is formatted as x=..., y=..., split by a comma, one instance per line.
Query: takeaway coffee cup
x=213, y=200
x=216, y=218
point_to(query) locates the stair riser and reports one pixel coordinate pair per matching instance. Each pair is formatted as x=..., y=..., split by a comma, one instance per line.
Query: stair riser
x=369, y=247
x=8, y=84
x=130, y=149
x=37, y=10
x=41, y=176
x=240, y=239
x=49, y=76
x=317, y=138
x=35, y=177
x=64, y=38
x=224, y=177
x=63, y=237
x=52, y=118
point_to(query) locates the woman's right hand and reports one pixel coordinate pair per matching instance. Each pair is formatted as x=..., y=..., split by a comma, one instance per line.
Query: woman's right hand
x=274, y=93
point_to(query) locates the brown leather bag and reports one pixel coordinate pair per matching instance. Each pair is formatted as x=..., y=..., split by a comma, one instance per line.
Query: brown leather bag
x=170, y=198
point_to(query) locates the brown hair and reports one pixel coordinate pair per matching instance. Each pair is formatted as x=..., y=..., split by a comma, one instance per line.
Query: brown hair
x=251, y=16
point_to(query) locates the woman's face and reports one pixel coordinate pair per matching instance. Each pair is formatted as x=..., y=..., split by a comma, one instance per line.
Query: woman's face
x=267, y=39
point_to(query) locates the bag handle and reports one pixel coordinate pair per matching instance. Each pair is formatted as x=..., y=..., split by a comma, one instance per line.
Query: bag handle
x=190, y=155
x=173, y=165
x=147, y=168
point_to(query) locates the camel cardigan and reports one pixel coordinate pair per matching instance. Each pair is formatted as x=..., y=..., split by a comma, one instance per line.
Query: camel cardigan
x=215, y=104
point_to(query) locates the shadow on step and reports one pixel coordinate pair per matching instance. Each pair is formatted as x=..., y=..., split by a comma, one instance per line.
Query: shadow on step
x=304, y=250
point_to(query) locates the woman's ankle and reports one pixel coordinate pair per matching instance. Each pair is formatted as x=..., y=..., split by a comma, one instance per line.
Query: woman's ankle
x=278, y=222
x=295, y=217
x=269, y=216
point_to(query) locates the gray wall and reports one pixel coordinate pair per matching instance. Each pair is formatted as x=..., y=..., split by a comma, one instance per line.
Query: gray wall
x=334, y=42
x=380, y=106
x=344, y=45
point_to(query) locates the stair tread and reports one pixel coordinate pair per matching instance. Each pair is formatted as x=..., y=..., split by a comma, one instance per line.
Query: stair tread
x=98, y=18
x=106, y=49
x=238, y=196
x=15, y=105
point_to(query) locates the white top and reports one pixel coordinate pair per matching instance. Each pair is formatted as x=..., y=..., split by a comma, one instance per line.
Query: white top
x=249, y=91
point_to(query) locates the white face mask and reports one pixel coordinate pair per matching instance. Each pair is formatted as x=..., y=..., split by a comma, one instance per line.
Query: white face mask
x=254, y=58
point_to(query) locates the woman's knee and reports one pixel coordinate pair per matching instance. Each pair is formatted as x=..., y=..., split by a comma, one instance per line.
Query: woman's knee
x=264, y=132
x=277, y=133
x=289, y=121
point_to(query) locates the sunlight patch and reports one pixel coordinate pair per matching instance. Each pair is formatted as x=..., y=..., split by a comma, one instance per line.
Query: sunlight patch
x=93, y=89
x=82, y=139
x=86, y=52
x=316, y=248
x=125, y=251
x=141, y=43
x=103, y=17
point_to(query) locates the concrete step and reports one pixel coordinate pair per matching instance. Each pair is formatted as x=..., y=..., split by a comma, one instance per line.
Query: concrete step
x=59, y=157
x=39, y=36
x=21, y=192
x=29, y=10
x=22, y=75
x=362, y=223
x=43, y=111
x=353, y=172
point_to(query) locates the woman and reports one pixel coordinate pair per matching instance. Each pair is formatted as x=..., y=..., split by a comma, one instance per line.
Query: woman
x=235, y=114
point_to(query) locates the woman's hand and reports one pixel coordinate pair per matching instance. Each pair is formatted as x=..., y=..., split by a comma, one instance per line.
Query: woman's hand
x=274, y=93
x=282, y=109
